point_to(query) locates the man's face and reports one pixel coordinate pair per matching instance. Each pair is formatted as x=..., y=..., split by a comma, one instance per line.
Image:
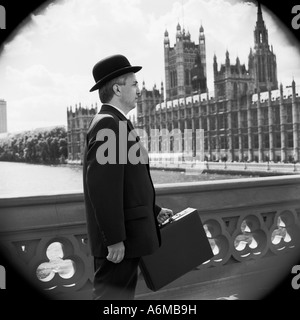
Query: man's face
x=130, y=92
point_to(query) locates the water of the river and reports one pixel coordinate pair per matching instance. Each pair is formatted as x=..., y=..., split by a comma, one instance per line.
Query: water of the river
x=22, y=179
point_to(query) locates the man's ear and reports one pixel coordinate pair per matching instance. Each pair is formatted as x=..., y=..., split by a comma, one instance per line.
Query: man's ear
x=116, y=89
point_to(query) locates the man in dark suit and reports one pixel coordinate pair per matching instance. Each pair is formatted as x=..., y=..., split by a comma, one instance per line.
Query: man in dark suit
x=122, y=217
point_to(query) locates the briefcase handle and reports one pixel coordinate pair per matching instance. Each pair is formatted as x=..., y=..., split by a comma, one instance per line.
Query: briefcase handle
x=177, y=216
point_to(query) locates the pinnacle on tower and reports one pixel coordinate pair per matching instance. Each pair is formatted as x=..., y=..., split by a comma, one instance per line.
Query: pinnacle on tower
x=259, y=12
x=227, y=58
x=266, y=67
x=166, y=38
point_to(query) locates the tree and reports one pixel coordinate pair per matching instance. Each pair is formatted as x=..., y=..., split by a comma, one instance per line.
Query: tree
x=38, y=146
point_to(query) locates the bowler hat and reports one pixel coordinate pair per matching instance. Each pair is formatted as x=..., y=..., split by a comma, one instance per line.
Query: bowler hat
x=110, y=68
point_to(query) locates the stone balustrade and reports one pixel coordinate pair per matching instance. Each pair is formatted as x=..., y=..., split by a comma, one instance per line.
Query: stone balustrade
x=252, y=225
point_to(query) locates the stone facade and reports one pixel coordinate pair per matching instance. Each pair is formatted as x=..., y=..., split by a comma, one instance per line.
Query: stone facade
x=246, y=118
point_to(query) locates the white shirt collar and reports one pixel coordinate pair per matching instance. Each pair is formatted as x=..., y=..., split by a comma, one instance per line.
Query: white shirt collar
x=117, y=109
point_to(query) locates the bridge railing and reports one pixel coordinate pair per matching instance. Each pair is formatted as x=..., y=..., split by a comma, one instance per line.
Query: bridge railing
x=252, y=225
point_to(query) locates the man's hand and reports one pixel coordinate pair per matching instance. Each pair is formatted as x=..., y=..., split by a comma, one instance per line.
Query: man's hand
x=116, y=252
x=164, y=215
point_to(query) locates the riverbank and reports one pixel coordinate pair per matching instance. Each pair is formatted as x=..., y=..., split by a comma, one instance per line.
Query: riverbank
x=265, y=169
x=225, y=172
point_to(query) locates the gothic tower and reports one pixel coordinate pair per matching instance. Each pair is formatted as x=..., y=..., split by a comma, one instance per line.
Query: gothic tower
x=231, y=81
x=265, y=66
x=182, y=62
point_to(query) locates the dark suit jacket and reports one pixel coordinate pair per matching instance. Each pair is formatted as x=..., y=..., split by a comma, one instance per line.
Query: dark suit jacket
x=120, y=197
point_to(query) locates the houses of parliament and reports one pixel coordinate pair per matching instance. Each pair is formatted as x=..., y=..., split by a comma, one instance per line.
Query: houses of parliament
x=249, y=116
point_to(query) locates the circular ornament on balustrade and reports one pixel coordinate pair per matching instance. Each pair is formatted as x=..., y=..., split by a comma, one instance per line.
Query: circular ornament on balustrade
x=250, y=238
x=59, y=265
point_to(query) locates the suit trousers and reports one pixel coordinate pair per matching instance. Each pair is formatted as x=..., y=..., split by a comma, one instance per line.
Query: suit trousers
x=115, y=281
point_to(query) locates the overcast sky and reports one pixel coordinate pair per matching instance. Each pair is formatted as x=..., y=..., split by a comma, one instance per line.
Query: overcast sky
x=47, y=66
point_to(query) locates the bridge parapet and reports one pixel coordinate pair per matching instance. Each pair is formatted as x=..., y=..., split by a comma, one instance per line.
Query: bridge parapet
x=252, y=225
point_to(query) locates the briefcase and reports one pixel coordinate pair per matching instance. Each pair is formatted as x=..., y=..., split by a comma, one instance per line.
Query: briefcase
x=184, y=247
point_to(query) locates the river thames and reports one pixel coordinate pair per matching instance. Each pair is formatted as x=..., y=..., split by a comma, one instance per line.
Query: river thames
x=23, y=179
